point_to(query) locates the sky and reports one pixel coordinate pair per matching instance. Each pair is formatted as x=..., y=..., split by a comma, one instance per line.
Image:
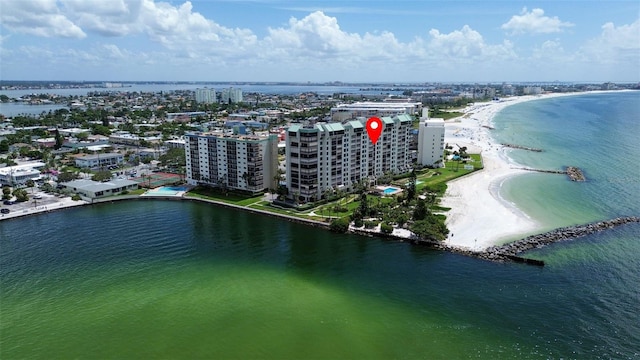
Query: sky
x=320, y=41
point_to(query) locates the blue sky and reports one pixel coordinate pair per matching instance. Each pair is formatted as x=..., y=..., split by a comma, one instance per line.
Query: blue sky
x=351, y=41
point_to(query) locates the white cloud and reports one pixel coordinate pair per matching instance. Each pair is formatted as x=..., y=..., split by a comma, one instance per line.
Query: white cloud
x=467, y=44
x=534, y=22
x=551, y=51
x=615, y=44
x=315, y=34
x=38, y=17
x=107, y=18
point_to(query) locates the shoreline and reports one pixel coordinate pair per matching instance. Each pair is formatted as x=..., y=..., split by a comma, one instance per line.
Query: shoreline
x=480, y=217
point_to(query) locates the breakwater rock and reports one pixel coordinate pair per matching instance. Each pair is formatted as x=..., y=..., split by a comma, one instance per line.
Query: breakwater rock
x=510, y=250
x=514, y=146
x=575, y=174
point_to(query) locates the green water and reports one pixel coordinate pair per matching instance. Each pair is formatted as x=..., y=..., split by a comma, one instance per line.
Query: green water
x=166, y=279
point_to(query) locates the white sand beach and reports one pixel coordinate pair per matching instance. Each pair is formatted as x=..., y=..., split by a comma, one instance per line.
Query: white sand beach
x=478, y=217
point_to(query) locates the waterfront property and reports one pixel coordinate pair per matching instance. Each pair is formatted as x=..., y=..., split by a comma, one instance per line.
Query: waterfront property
x=430, y=141
x=337, y=155
x=94, y=189
x=20, y=174
x=99, y=160
x=167, y=191
x=239, y=162
x=206, y=96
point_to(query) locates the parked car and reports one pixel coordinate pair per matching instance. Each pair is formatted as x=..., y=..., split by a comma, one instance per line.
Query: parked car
x=8, y=202
x=5, y=211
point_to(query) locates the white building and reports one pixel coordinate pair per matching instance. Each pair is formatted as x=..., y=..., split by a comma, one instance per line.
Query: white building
x=532, y=90
x=367, y=109
x=206, y=96
x=125, y=138
x=430, y=141
x=73, y=131
x=240, y=162
x=20, y=174
x=99, y=160
x=332, y=156
x=94, y=189
x=175, y=144
x=231, y=95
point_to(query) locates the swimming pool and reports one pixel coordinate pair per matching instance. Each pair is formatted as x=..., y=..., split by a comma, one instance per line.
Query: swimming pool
x=167, y=190
x=390, y=190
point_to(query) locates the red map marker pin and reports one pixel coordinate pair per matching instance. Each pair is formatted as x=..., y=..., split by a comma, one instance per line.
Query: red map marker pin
x=374, y=129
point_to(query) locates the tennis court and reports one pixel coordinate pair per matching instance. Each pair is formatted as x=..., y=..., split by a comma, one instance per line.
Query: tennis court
x=157, y=179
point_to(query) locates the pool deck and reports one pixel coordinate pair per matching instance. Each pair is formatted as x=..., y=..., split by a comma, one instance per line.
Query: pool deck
x=383, y=188
x=161, y=192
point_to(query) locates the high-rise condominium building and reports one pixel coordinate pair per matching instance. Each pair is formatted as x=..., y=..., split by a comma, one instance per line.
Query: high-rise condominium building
x=231, y=95
x=240, y=162
x=206, y=96
x=430, y=140
x=337, y=155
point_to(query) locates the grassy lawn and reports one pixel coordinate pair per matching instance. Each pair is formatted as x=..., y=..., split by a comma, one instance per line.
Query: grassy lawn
x=137, y=192
x=230, y=198
x=430, y=177
x=445, y=114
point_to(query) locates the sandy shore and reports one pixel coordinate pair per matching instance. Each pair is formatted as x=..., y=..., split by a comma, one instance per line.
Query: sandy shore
x=478, y=217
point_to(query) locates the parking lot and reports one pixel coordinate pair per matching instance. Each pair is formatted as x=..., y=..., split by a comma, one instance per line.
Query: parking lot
x=46, y=202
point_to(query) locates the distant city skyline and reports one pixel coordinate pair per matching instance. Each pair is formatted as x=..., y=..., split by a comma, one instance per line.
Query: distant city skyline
x=320, y=41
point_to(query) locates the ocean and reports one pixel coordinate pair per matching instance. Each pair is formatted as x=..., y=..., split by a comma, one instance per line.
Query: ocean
x=171, y=279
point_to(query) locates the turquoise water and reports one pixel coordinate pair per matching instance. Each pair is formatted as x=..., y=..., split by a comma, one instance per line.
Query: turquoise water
x=169, y=279
x=390, y=190
x=168, y=190
x=598, y=133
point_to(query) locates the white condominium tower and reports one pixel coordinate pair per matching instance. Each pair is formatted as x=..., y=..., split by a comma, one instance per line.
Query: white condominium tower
x=430, y=141
x=232, y=95
x=240, y=162
x=337, y=155
x=206, y=96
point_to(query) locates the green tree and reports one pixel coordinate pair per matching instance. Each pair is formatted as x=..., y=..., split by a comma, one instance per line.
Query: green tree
x=420, y=211
x=363, y=207
x=173, y=157
x=411, y=185
x=30, y=183
x=339, y=225
x=83, y=136
x=102, y=175
x=6, y=193
x=386, y=228
x=98, y=129
x=59, y=140
x=21, y=195
x=66, y=176
x=431, y=228
x=4, y=146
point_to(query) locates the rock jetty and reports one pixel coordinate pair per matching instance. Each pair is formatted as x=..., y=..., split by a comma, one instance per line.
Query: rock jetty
x=575, y=174
x=514, y=146
x=510, y=251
